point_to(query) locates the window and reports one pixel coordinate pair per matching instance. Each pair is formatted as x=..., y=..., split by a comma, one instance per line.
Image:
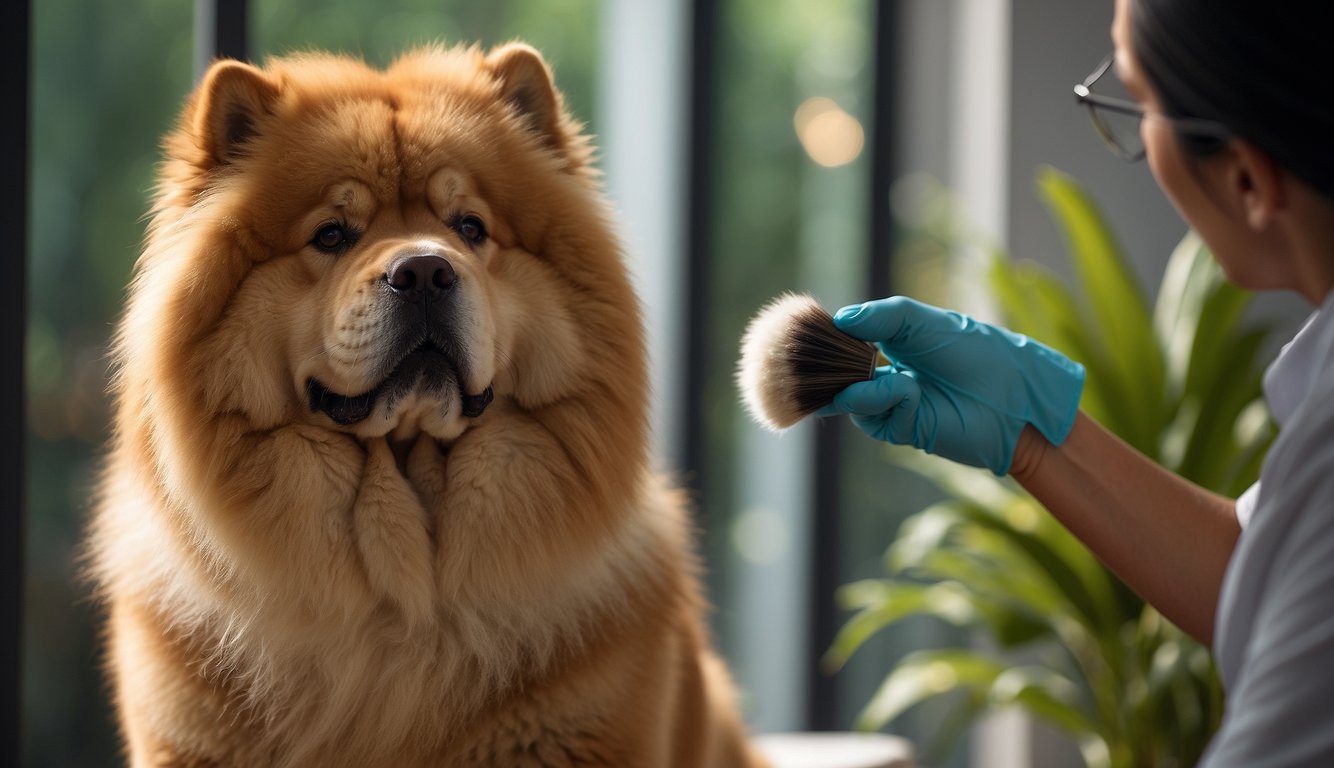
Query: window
x=749, y=147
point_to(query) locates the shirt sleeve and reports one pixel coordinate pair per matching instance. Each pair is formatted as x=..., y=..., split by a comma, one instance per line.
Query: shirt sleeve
x=1246, y=504
x=1281, y=709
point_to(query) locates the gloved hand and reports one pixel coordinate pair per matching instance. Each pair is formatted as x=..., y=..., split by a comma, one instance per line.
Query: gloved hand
x=956, y=387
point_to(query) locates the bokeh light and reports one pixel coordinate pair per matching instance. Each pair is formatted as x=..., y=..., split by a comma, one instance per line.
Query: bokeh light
x=830, y=136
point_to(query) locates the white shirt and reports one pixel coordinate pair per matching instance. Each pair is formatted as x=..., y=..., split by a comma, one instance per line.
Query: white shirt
x=1274, y=630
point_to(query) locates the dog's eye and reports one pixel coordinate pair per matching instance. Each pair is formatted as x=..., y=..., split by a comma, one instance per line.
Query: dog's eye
x=330, y=238
x=471, y=228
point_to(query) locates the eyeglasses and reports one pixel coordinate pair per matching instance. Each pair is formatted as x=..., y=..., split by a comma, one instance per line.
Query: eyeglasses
x=1117, y=118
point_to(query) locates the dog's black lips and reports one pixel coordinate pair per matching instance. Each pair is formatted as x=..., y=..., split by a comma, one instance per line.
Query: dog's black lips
x=474, y=405
x=342, y=409
x=426, y=367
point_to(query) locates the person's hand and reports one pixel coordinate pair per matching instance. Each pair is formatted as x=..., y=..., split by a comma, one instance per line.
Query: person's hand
x=954, y=386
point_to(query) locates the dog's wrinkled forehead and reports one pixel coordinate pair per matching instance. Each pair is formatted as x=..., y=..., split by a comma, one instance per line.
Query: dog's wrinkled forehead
x=360, y=154
x=351, y=138
x=307, y=122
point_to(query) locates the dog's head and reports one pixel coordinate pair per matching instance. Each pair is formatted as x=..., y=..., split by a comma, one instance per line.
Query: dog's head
x=381, y=252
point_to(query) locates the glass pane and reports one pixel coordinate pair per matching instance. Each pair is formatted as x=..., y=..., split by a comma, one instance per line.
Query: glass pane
x=791, y=182
x=792, y=188
x=108, y=79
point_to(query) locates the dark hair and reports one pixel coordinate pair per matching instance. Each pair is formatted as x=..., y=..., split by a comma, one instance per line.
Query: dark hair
x=1258, y=68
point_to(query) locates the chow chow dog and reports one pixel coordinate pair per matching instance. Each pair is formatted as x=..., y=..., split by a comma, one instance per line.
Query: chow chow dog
x=379, y=491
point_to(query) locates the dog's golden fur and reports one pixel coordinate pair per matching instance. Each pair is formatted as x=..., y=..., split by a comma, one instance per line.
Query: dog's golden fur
x=420, y=587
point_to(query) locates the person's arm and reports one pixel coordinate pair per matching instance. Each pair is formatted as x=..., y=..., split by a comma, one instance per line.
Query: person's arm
x=981, y=395
x=1167, y=538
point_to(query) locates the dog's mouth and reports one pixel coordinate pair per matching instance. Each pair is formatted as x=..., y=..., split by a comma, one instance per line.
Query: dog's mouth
x=426, y=369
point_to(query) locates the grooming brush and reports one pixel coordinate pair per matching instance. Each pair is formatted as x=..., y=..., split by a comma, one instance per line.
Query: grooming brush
x=794, y=360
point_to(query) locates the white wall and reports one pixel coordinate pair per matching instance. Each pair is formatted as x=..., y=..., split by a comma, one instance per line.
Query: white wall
x=1055, y=44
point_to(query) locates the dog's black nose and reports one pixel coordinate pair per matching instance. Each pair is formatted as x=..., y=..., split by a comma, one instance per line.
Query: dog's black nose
x=421, y=276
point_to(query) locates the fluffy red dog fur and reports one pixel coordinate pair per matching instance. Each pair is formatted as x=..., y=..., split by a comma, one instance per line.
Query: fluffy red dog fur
x=421, y=587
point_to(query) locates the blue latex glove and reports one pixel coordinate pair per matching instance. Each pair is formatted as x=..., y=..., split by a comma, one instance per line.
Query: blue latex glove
x=956, y=387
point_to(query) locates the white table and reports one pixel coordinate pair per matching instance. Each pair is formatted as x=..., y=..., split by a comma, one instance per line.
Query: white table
x=835, y=750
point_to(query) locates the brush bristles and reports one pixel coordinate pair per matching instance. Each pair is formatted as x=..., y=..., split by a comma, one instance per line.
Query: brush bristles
x=794, y=360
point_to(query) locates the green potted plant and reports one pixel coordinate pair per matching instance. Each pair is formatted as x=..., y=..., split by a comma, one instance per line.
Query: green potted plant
x=1180, y=381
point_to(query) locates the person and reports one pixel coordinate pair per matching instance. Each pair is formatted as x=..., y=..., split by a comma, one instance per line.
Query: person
x=1235, y=119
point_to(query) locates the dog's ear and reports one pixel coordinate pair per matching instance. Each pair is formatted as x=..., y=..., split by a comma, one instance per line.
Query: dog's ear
x=228, y=105
x=525, y=82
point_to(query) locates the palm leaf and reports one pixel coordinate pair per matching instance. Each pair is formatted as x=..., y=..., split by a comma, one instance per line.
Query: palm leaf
x=1254, y=431
x=1212, y=355
x=1117, y=304
x=1035, y=303
x=1002, y=508
x=883, y=602
x=1213, y=442
x=1187, y=283
x=927, y=674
